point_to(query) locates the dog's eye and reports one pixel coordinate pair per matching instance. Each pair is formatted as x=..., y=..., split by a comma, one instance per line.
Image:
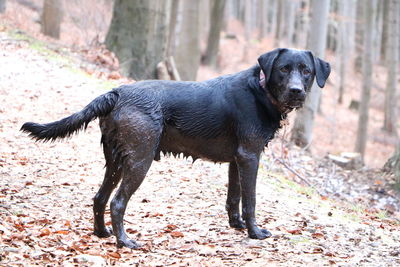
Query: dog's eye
x=306, y=72
x=284, y=69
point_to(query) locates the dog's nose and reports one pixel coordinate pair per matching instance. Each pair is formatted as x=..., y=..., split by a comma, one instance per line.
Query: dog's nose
x=296, y=91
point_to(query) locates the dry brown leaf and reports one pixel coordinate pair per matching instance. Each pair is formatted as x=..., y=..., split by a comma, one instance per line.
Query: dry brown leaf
x=61, y=232
x=318, y=235
x=114, y=254
x=45, y=232
x=176, y=234
x=317, y=250
x=294, y=231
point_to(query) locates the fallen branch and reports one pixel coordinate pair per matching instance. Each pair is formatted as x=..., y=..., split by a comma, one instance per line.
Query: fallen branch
x=281, y=161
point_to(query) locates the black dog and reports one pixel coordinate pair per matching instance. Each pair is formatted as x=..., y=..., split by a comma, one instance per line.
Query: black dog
x=227, y=119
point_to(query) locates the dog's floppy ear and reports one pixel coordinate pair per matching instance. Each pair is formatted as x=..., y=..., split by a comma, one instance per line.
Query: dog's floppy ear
x=322, y=70
x=266, y=61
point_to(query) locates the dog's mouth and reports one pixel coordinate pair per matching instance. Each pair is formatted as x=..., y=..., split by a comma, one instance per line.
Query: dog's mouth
x=294, y=103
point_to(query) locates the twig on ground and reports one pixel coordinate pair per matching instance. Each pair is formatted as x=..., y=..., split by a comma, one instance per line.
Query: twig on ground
x=281, y=161
x=6, y=209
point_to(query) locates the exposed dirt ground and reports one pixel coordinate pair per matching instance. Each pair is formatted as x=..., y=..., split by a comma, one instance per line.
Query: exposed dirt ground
x=178, y=213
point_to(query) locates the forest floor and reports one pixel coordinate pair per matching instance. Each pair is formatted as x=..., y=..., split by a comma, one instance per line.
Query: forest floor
x=178, y=214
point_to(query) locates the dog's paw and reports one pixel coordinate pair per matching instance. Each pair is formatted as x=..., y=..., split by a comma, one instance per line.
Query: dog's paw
x=237, y=224
x=106, y=232
x=129, y=243
x=259, y=234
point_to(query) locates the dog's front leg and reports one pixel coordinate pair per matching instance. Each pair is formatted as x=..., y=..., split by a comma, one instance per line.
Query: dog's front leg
x=233, y=199
x=247, y=161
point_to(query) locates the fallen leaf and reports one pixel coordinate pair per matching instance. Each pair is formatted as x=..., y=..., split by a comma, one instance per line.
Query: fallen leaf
x=294, y=231
x=176, y=234
x=317, y=250
x=44, y=232
x=318, y=235
x=61, y=232
x=170, y=228
x=114, y=254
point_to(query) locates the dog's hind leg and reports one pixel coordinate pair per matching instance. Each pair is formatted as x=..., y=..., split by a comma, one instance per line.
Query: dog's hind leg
x=112, y=177
x=138, y=139
x=133, y=176
x=233, y=199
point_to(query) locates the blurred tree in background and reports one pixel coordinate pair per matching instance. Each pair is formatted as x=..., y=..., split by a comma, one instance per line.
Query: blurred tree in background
x=392, y=60
x=51, y=18
x=2, y=6
x=187, y=39
x=304, y=123
x=367, y=63
x=138, y=35
x=216, y=20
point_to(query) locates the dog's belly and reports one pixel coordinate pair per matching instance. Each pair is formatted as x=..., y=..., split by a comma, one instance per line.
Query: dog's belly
x=218, y=149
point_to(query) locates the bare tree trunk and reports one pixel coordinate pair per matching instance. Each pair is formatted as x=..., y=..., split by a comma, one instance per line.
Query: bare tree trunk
x=393, y=163
x=138, y=36
x=171, y=42
x=367, y=63
x=291, y=7
x=304, y=122
x=205, y=10
x=273, y=28
x=281, y=19
x=217, y=14
x=302, y=25
x=385, y=31
x=2, y=6
x=51, y=18
x=262, y=14
x=378, y=34
x=343, y=47
x=187, y=54
x=359, y=35
x=392, y=65
x=247, y=28
x=352, y=4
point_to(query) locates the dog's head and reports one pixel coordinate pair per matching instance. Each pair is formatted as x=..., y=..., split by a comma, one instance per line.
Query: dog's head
x=289, y=75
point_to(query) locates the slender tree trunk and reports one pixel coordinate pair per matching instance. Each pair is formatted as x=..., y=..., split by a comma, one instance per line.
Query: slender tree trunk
x=187, y=54
x=304, y=122
x=171, y=42
x=205, y=10
x=378, y=35
x=367, y=63
x=302, y=25
x=392, y=65
x=2, y=6
x=393, y=163
x=352, y=4
x=291, y=7
x=138, y=36
x=281, y=19
x=51, y=18
x=262, y=14
x=273, y=27
x=247, y=28
x=359, y=35
x=217, y=14
x=343, y=47
x=385, y=31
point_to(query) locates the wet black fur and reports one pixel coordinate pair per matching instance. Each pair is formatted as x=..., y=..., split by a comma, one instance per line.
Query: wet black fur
x=227, y=119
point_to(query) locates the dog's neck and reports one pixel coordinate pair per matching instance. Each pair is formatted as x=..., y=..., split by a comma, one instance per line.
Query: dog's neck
x=281, y=108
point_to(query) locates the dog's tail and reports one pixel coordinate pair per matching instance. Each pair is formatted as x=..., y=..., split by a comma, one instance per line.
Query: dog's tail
x=99, y=107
